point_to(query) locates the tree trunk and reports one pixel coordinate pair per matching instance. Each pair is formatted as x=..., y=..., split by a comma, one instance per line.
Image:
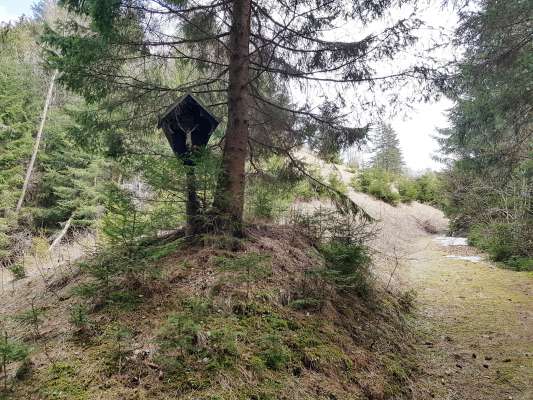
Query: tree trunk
x=229, y=197
x=37, y=142
x=63, y=232
x=195, y=222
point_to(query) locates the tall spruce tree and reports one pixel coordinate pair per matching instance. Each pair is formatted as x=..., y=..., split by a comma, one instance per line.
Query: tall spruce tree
x=64, y=183
x=19, y=107
x=388, y=155
x=242, y=51
x=489, y=145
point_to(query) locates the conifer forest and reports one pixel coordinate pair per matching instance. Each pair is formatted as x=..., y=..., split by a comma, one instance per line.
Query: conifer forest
x=266, y=199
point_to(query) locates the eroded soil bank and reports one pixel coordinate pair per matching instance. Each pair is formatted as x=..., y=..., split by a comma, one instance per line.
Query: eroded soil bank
x=476, y=326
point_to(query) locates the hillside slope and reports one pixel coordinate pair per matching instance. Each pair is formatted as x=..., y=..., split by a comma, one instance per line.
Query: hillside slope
x=251, y=319
x=228, y=320
x=474, y=320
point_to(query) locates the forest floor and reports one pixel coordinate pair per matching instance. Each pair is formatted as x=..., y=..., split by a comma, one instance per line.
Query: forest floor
x=475, y=322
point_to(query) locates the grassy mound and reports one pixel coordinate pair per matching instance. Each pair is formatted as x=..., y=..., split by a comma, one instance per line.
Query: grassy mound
x=250, y=319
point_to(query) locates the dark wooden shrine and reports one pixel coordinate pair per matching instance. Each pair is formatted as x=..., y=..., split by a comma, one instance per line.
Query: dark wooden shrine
x=187, y=125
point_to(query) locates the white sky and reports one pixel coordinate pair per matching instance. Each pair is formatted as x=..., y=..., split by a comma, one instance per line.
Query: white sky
x=415, y=127
x=11, y=10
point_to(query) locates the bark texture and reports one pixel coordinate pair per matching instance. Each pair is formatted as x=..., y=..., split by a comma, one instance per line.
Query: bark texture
x=29, y=171
x=195, y=222
x=62, y=234
x=229, y=198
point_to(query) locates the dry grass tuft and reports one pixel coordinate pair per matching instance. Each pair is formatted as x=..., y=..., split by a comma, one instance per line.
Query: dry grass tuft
x=254, y=322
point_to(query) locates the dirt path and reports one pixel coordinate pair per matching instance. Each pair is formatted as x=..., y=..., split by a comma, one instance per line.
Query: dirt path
x=476, y=325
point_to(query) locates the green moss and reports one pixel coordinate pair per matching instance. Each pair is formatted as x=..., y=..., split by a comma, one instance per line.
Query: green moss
x=124, y=299
x=308, y=304
x=247, y=266
x=274, y=353
x=323, y=356
x=196, y=341
x=63, y=383
x=307, y=337
x=116, y=348
x=396, y=370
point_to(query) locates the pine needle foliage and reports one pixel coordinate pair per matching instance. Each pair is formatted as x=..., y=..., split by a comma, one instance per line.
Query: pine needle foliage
x=489, y=144
x=10, y=351
x=388, y=155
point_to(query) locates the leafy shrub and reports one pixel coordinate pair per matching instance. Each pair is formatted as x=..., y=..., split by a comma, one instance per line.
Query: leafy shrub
x=497, y=239
x=306, y=304
x=117, y=348
x=501, y=241
x=124, y=222
x=330, y=156
x=123, y=268
x=381, y=189
x=269, y=199
x=275, y=354
x=126, y=299
x=32, y=319
x=520, y=263
x=5, y=241
x=304, y=191
x=10, y=351
x=429, y=189
x=381, y=184
x=263, y=201
x=347, y=266
x=336, y=183
x=120, y=279
x=407, y=189
x=270, y=193
x=378, y=183
x=18, y=271
x=179, y=332
x=325, y=224
x=79, y=317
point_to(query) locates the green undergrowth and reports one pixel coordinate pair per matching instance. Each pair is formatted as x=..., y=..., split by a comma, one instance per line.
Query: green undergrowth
x=395, y=188
x=504, y=243
x=175, y=321
x=61, y=382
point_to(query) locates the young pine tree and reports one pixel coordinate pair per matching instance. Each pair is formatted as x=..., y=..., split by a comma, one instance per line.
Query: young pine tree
x=388, y=155
x=19, y=105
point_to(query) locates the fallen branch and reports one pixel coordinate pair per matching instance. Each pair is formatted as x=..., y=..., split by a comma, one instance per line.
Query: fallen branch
x=63, y=232
x=37, y=142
